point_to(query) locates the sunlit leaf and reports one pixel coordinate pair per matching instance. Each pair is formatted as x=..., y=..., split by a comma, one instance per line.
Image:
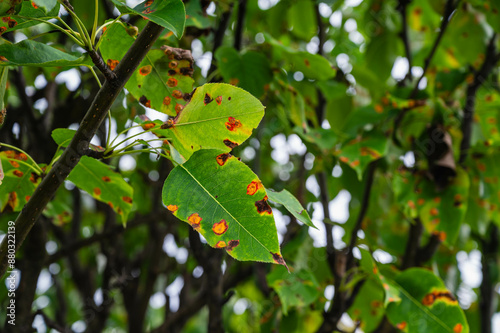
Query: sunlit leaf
x=222, y=199
x=291, y=204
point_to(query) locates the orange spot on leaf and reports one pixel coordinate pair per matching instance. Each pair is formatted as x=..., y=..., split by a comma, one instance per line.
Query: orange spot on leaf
x=232, y=244
x=434, y=211
x=97, y=191
x=112, y=64
x=222, y=158
x=127, y=200
x=171, y=82
x=263, y=207
x=27, y=198
x=218, y=100
x=145, y=70
x=148, y=126
x=434, y=296
x=253, y=187
x=172, y=208
x=14, y=164
x=220, y=244
x=177, y=94
x=207, y=99
x=194, y=220
x=18, y=173
x=167, y=100
x=178, y=107
x=458, y=328
x=220, y=227
x=106, y=179
x=401, y=325
x=230, y=143
x=233, y=123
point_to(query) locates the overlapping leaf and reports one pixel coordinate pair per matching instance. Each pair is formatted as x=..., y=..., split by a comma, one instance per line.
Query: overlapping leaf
x=31, y=53
x=98, y=180
x=225, y=201
x=24, y=13
x=169, y=14
x=425, y=305
x=293, y=205
x=219, y=116
x=163, y=79
x=20, y=180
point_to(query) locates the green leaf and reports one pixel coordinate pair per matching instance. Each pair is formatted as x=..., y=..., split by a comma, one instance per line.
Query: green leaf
x=222, y=199
x=313, y=66
x=219, y=116
x=250, y=71
x=368, y=307
x=6, y=5
x=441, y=211
x=170, y=14
x=196, y=16
x=63, y=136
x=291, y=204
x=98, y=180
x=163, y=79
x=19, y=180
x=432, y=307
x=359, y=152
x=31, y=53
x=46, y=5
x=302, y=19
x=26, y=9
x=296, y=289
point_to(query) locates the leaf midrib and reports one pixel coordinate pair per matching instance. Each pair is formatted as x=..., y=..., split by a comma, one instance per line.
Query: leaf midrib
x=216, y=118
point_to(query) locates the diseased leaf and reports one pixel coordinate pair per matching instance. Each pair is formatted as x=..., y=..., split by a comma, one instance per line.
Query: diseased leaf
x=98, y=180
x=359, y=152
x=296, y=289
x=219, y=116
x=22, y=16
x=31, y=53
x=19, y=181
x=250, y=71
x=368, y=307
x=432, y=307
x=46, y=5
x=163, y=79
x=169, y=14
x=441, y=211
x=293, y=205
x=222, y=199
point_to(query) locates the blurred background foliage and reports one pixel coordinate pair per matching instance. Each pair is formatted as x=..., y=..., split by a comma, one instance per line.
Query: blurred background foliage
x=381, y=118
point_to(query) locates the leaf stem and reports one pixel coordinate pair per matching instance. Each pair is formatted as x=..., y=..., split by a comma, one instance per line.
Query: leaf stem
x=96, y=18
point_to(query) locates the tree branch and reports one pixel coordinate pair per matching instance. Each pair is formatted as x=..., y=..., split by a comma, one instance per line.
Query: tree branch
x=80, y=143
x=479, y=78
x=101, y=65
x=240, y=23
x=219, y=36
x=403, y=4
x=448, y=11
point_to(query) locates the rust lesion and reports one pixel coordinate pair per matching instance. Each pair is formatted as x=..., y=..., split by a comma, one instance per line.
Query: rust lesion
x=222, y=158
x=230, y=143
x=263, y=207
x=172, y=208
x=438, y=295
x=220, y=228
x=232, y=244
x=233, y=123
x=194, y=220
x=253, y=187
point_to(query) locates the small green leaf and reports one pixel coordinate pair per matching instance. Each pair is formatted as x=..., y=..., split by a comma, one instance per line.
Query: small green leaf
x=31, y=53
x=63, y=136
x=293, y=205
x=432, y=307
x=250, y=71
x=98, y=180
x=296, y=289
x=219, y=116
x=46, y=5
x=170, y=14
x=222, y=199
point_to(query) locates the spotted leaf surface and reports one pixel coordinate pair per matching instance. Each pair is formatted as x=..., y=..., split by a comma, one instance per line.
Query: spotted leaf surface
x=368, y=307
x=209, y=192
x=163, y=79
x=433, y=308
x=19, y=181
x=169, y=14
x=31, y=53
x=359, y=152
x=441, y=211
x=98, y=180
x=28, y=10
x=219, y=116
x=291, y=203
